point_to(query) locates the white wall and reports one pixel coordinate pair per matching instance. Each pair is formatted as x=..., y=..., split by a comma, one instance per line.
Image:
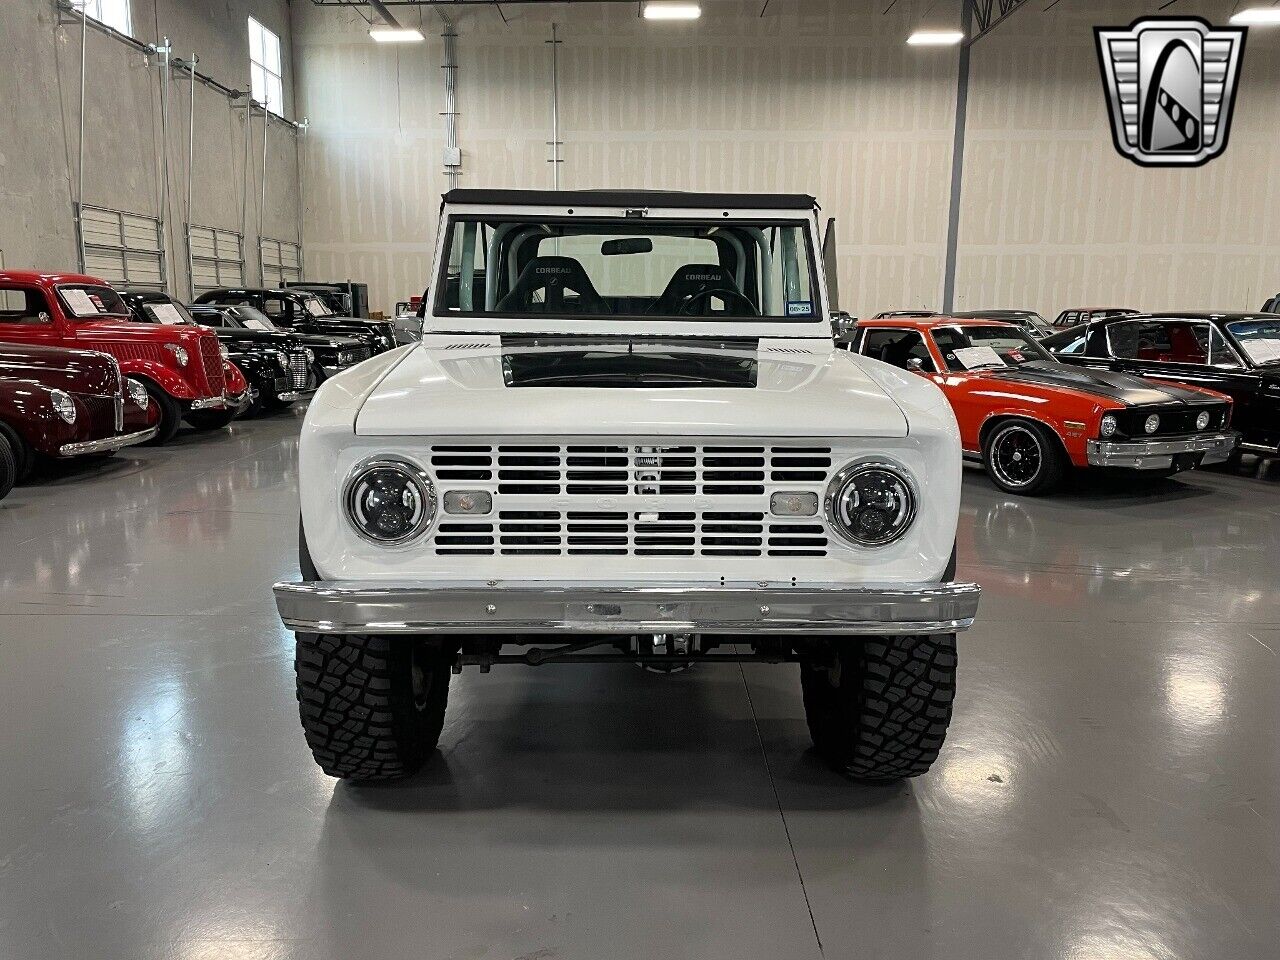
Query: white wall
x=39, y=124
x=814, y=97
x=1053, y=216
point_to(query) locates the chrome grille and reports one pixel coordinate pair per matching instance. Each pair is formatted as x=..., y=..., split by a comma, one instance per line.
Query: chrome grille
x=106, y=414
x=299, y=370
x=649, y=500
x=668, y=533
x=619, y=470
x=211, y=358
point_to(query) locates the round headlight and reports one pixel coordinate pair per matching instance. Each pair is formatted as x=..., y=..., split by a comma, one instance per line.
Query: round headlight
x=1202, y=421
x=137, y=393
x=1152, y=423
x=179, y=353
x=1108, y=425
x=390, y=501
x=871, y=504
x=222, y=349
x=309, y=354
x=282, y=358
x=63, y=405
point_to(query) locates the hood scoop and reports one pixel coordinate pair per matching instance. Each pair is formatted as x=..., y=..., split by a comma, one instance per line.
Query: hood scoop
x=567, y=362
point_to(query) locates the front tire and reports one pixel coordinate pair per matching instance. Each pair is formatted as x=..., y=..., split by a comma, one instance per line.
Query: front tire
x=372, y=707
x=8, y=466
x=170, y=414
x=1022, y=456
x=878, y=709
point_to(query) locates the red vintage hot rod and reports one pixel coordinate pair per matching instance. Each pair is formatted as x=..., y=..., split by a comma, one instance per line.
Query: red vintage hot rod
x=182, y=368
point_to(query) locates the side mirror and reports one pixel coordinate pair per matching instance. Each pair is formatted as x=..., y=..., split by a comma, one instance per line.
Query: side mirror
x=915, y=363
x=842, y=323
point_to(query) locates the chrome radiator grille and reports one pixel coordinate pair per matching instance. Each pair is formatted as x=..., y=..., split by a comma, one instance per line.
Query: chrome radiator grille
x=636, y=500
x=299, y=370
x=619, y=470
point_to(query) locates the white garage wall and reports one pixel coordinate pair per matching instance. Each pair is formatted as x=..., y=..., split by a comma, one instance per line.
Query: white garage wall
x=1052, y=216
x=820, y=96
x=39, y=123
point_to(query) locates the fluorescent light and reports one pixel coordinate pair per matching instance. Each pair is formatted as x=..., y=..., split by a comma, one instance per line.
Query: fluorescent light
x=396, y=35
x=1258, y=16
x=656, y=10
x=935, y=38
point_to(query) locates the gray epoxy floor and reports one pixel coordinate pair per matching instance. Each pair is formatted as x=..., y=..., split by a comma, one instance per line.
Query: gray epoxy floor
x=1109, y=790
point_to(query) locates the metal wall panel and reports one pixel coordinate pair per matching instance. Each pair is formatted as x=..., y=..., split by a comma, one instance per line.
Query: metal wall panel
x=125, y=249
x=217, y=258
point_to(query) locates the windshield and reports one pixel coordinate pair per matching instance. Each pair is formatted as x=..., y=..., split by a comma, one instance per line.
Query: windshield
x=253, y=319
x=88, y=301
x=315, y=306
x=166, y=311
x=974, y=348
x=704, y=270
x=1259, y=338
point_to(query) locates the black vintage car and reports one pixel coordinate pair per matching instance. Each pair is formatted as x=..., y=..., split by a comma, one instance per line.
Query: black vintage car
x=278, y=369
x=1235, y=353
x=244, y=323
x=306, y=313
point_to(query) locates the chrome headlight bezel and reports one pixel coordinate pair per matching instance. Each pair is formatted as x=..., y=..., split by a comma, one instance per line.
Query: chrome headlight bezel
x=137, y=393
x=1203, y=420
x=416, y=477
x=179, y=354
x=841, y=482
x=63, y=405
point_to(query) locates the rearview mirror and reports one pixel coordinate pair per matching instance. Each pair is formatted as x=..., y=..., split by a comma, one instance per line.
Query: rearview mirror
x=614, y=248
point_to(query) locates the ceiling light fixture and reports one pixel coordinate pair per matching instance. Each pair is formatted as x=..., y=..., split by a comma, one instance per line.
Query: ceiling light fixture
x=658, y=10
x=1258, y=17
x=396, y=35
x=935, y=38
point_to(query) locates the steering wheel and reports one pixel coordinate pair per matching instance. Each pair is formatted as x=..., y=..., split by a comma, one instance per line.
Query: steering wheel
x=725, y=294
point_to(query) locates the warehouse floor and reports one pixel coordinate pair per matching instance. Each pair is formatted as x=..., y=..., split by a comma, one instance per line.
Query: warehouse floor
x=1110, y=788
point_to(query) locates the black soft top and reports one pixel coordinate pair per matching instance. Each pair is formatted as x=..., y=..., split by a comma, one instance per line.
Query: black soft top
x=634, y=198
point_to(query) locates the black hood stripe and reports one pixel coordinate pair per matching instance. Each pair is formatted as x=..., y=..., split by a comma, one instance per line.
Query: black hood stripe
x=1121, y=387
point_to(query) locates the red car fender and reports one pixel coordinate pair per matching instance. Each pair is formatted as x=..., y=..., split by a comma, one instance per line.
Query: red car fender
x=166, y=378
x=1073, y=441
x=236, y=383
x=27, y=410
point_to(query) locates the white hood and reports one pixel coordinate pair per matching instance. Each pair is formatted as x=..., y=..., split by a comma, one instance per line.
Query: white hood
x=455, y=386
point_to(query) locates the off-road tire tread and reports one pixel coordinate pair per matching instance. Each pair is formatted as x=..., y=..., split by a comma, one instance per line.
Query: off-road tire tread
x=888, y=717
x=356, y=704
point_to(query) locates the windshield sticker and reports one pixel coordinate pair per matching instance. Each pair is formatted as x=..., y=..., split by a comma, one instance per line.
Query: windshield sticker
x=253, y=323
x=1261, y=351
x=81, y=304
x=973, y=357
x=316, y=308
x=799, y=308
x=1016, y=356
x=166, y=313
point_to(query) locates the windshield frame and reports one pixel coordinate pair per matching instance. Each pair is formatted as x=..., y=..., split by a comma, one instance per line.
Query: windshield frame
x=439, y=321
x=1238, y=345
x=74, y=317
x=1042, y=355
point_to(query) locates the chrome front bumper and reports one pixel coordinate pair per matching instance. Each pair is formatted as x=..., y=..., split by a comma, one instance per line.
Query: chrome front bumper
x=530, y=607
x=1159, y=454
x=226, y=400
x=295, y=394
x=106, y=444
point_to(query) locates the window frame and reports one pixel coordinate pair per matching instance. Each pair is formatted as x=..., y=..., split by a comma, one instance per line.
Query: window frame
x=1208, y=364
x=93, y=10
x=260, y=31
x=926, y=341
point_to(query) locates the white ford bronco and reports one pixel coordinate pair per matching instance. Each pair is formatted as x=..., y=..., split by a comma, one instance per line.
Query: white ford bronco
x=626, y=434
